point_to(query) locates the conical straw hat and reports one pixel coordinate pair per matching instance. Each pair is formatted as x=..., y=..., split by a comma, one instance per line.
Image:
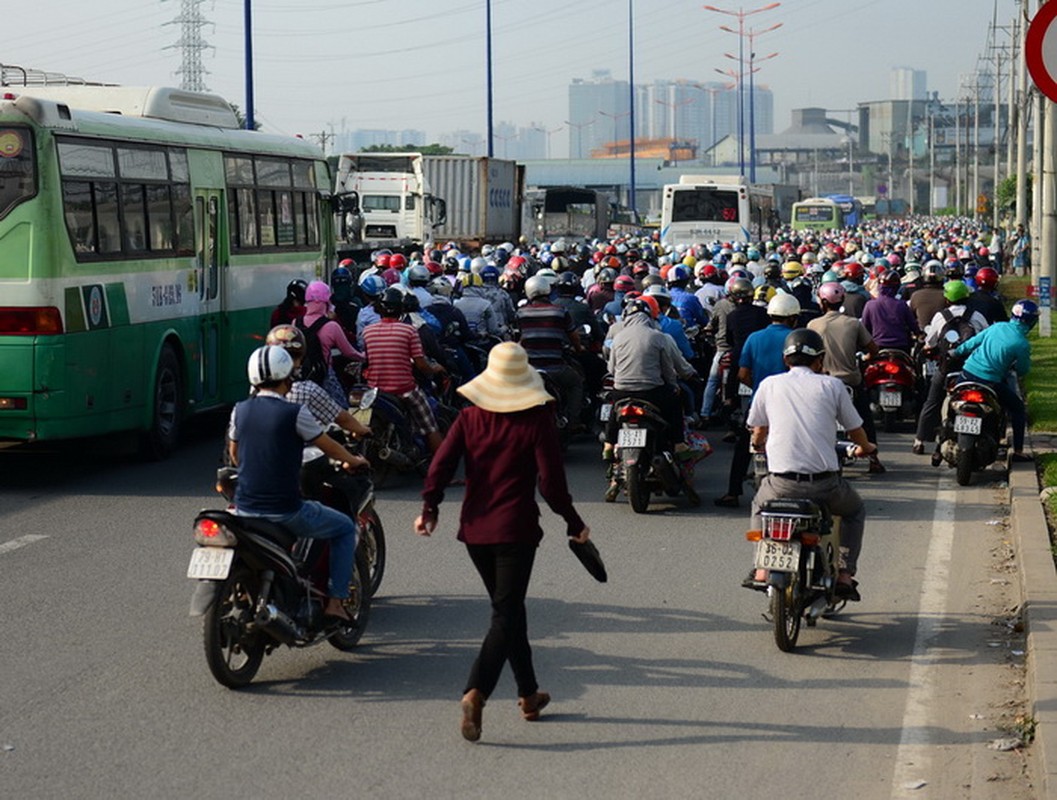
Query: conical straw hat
x=508, y=383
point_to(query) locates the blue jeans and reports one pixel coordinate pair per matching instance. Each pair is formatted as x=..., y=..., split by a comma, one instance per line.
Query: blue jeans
x=316, y=521
x=709, y=399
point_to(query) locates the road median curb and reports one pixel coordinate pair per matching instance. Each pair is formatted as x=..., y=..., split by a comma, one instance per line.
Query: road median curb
x=1038, y=586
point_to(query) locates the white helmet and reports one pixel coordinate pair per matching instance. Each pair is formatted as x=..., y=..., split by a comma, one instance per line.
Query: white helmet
x=783, y=305
x=477, y=264
x=537, y=286
x=269, y=364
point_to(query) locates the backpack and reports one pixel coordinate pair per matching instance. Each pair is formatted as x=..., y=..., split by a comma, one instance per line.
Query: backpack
x=313, y=366
x=961, y=326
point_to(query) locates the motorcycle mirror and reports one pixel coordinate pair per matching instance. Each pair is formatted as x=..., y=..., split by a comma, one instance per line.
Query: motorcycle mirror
x=951, y=336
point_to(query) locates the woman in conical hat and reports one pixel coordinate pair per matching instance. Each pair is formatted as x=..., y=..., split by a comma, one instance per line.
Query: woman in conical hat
x=509, y=441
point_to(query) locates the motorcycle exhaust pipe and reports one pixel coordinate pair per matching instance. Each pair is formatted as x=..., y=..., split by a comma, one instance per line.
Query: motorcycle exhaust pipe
x=278, y=625
x=395, y=458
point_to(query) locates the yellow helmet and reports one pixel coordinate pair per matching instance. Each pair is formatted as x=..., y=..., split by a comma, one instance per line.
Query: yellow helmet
x=763, y=294
x=470, y=279
x=792, y=269
x=690, y=261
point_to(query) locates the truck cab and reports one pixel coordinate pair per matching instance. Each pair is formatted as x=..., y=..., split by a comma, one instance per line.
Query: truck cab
x=396, y=208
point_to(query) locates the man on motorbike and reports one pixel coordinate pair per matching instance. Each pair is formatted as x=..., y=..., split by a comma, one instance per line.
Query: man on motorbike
x=889, y=320
x=956, y=294
x=394, y=350
x=547, y=331
x=266, y=436
x=993, y=353
x=641, y=365
x=794, y=417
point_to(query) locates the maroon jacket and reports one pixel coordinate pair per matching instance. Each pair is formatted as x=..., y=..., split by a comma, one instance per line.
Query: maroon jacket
x=506, y=455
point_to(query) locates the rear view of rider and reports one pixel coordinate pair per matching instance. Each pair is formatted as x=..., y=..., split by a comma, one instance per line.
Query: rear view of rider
x=888, y=319
x=266, y=437
x=993, y=353
x=794, y=417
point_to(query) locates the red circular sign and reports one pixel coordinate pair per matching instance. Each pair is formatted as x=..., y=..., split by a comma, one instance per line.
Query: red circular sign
x=1040, y=50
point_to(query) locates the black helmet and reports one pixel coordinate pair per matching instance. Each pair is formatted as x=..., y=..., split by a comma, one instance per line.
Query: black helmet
x=569, y=283
x=773, y=271
x=392, y=301
x=740, y=290
x=803, y=341
x=295, y=290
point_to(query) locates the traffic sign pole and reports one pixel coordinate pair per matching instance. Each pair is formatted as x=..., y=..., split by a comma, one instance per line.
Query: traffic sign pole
x=1040, y=53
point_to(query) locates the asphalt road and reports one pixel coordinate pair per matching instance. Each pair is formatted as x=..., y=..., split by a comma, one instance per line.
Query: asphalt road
x=666, y=680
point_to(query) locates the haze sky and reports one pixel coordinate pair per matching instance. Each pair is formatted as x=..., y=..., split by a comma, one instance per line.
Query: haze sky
x=398, y=64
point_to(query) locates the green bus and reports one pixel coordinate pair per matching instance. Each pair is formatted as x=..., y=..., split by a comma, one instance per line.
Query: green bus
x=817, y=214
x=144, y=240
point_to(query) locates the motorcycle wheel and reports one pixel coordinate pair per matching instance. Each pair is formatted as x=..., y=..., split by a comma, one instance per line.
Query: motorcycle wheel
x=785, y=611
x=964, y=466
x=358, y=605
x=233, y=655
x=638, y=492
x=383, y=435
x=372, y=542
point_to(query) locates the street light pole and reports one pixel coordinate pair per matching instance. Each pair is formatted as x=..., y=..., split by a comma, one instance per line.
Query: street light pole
x=488, y=56
x=548, y=134
x=673, y=107
x=631, y=110
x=579, y=135
x=248, y=34
x=741, y=14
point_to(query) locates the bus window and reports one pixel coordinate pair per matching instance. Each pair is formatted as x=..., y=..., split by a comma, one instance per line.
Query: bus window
x=108, y=221
x=77, y=204
x=815, y=213
x=159, y=217
x=246, y=213
x=185, y=226
x=135, y=211
x=704, y=205
x=18, y=171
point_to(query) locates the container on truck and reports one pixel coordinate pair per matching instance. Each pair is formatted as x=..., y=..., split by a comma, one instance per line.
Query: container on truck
x=483, y=197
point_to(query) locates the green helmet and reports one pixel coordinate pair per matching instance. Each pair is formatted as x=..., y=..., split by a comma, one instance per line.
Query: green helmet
x=955, y=291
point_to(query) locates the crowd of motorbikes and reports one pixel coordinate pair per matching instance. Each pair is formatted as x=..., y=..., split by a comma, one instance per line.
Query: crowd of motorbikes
x=258, y=587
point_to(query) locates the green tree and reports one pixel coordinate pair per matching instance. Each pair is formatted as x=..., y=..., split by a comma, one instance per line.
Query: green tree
x=242, y=118
x=1007, y=193
x=426, y=150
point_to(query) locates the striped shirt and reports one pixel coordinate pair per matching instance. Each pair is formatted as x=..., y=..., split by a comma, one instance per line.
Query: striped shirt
x=545, y=330
x=391, y=347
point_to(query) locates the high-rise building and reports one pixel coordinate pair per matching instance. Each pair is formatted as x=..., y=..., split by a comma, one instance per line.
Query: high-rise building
x=905, y=83
x=681, y=110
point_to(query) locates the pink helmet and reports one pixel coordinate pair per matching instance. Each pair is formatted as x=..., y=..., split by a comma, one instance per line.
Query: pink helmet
x=832, y=293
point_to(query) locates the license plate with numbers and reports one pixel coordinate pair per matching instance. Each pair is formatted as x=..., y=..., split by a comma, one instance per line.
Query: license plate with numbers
x=777, y=556
x=891, y=399
x=210, y=563
x=971, y=425
x=631, y=437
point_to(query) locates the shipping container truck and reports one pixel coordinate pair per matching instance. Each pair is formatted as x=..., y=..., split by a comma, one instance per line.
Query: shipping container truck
x=483, y=197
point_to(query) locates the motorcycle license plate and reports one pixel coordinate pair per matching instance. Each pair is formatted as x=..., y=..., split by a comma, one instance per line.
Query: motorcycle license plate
x=631, y=437
x=971, y=425
x=363, y=415
x=210, y=563
x=930, y=368
x=891, y=399
x=605, y=411
x=777, y=556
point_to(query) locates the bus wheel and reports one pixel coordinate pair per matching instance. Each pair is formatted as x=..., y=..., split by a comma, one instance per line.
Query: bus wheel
x=166, y=401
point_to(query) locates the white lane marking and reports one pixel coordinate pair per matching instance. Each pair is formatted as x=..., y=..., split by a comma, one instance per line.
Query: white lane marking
x=914, y=754
x=21, y=541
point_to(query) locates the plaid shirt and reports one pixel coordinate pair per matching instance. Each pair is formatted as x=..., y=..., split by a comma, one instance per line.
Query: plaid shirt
x=316, y=399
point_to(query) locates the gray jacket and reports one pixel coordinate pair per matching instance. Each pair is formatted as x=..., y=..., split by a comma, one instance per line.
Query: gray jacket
x=640, y=358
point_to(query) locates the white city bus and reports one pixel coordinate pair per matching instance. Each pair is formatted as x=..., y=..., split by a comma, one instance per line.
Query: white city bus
x=703, y=208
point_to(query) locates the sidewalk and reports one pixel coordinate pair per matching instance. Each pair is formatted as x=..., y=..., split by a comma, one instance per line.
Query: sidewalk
x=1039, y=592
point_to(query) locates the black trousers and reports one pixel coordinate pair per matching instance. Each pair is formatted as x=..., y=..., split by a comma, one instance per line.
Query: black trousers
x=506, y=570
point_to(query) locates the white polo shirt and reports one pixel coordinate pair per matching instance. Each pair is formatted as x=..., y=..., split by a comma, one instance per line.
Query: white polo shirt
x=801, y=410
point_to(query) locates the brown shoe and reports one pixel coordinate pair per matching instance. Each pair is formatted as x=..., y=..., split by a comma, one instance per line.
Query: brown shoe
x=472, y=705
x=532, y=705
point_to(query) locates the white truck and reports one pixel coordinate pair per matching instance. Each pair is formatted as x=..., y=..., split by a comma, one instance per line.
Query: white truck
x=396, y=209
x=409, y=200
x=565, y=212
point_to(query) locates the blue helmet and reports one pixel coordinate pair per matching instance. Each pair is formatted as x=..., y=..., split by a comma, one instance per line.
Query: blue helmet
x=490, y=274
x=1026, y=312
x=372, y=286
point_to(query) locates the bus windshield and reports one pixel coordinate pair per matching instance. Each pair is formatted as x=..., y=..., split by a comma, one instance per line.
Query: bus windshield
x=704, y=205
x=814, y=213
x=18, y=170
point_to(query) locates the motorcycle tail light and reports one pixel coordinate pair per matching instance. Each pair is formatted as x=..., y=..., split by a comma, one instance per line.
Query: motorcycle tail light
x=210, y=533
x=810, y=539
x=779, y=528
x=632, y=411
x=753, y=536
x=972, y=396
x=891, y=367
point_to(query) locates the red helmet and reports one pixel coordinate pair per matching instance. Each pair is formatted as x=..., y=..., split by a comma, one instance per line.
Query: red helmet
x=613, y=262
x=624, y=283
x=640, y=268
x=611, y=250
x=853, y=271
x=984, y=252
x=986, y=279
x=434, y=268
x=381, y=260
x=397, y=261
x=890, y=278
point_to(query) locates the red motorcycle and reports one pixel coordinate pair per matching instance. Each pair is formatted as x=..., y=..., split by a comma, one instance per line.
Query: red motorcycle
x=891, y=379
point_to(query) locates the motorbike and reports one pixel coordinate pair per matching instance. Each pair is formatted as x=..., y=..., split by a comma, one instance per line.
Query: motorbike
x=974, y=424
x=259, y=586
x=891, y=379
x=796, y=561
x=640, y=468
x=394, y=446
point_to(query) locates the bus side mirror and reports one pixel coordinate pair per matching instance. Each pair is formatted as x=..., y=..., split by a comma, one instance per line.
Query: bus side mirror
x=440, y=211
x=346, y=203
